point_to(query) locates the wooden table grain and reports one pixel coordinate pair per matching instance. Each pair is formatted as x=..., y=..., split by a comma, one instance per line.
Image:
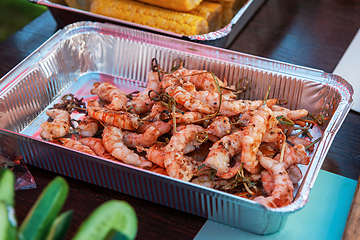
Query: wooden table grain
x=309, y=33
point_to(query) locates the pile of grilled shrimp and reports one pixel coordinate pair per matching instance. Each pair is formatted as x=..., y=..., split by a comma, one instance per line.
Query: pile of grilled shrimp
x=190, y=125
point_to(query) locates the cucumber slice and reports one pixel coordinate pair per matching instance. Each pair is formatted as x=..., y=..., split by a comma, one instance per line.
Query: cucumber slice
x=38, y=221
x=114, y=215
x=7, y=183
x=60, y=226
x=7, y=227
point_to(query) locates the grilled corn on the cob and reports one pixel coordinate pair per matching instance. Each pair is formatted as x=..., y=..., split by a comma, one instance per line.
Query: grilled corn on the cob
x=230, y=8
x=141, y=13
x=176, y=5
x=212, y=12
x=79, y=4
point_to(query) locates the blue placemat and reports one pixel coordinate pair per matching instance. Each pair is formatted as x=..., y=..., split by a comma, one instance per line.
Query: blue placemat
x=323, y=217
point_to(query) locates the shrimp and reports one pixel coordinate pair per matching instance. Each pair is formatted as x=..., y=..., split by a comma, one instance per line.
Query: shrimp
x=89, y=126
x=142, y=103
x=73, y=144
x=294, y=155
x=273, y=134
x=176, y=163
x=172, y=85
x=298, y=140
x=59, y=127
x=210, y=183
x=236, y=107
x=268, y=150
x=229, y=106
x=156, y=111
x=163, y=127
x=113, y=143
x=156, y=154
x=295, y=173
x=267, y=181
x=120, y=119
x=158, y=169
x=96, y=144
x=187, y=117
x=109, y=92
x=200, y=153
x=232, y=171
x=223, y=150
x=282, y=194
x=209, y=97
x=146, y=139
x=219, y=127
x=253, y=133
x=202, y=79
x=290, y=114
x=192, y=144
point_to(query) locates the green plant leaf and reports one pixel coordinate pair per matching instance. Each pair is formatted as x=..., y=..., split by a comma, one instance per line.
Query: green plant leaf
x=38, y=221
x=7, y=224
x=115, y=235
x=7, y=183
x=114, y=215
x=60, y=226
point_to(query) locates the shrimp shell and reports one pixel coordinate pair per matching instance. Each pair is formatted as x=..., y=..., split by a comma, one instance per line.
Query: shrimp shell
x=202, y=79
x=290, y=114
x=172, y=85
x=236, y=107
x=156, y=154
x=148, y=138
x=219, y=127
x=267, y=181
x=88, y=127
x=73, y=144
x=223, y=150
x=176, y=163
x=59, y=127
x=294, y=155
x=113, y=143
x=158, y=169
x=263, y=119
x=282, y=194
x=120, y=119
x=187, y=117
x=109, y=92
x=96, y=144
x=142, y=103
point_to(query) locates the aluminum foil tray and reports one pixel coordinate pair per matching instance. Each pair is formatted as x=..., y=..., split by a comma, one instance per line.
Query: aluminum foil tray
x=84, y=52
x=65, y=15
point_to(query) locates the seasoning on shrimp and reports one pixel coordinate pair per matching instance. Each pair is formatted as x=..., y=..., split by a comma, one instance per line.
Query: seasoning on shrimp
x=142, y=103
x=223, y=150
x=172, y=85
x=73, y=144
x=156, y=154
x=113, y=143
x=191, y=125
x=177, y=164
x=109, y=92
x=146, y=139
x=59, y=127
x=253, y=133
x=96, y=145
x=282, y=194
x=121, y=119
x=290, y=114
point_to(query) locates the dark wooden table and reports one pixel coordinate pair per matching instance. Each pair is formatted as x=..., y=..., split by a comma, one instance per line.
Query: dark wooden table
x=311, y=33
